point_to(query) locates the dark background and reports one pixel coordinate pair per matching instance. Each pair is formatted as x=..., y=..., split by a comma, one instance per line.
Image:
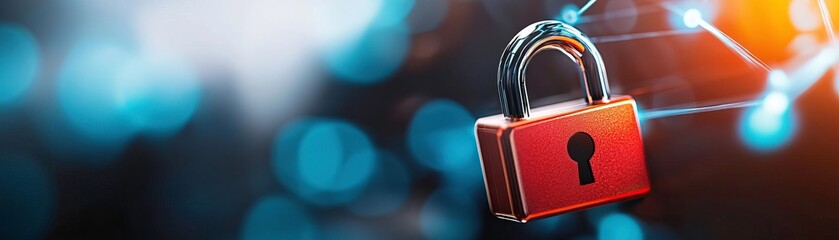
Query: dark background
x=228, y=169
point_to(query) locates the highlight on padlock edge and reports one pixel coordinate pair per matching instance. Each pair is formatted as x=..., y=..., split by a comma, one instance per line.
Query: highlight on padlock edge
x=534, y=163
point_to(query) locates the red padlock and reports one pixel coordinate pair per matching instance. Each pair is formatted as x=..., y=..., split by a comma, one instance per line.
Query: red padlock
x=563, y=157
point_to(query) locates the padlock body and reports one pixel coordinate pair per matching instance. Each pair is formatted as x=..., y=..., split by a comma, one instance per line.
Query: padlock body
x=528, y=171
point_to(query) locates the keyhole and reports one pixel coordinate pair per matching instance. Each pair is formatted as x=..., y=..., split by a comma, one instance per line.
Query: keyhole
x=580, y=149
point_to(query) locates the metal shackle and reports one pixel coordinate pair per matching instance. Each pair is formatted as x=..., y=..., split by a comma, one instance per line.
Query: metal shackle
x=549, y=34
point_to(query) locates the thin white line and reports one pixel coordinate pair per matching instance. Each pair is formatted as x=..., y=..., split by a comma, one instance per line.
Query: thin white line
x=685, y=111
x=585, y=7
x=733, y=45
x=634, y=36
x=828, y=24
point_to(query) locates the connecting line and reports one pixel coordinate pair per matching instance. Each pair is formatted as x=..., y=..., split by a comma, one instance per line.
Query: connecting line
x=733, y=45
x=634, y=36
x=624, y=13
x=828, y=24
x=585, y=7
x=653, y=114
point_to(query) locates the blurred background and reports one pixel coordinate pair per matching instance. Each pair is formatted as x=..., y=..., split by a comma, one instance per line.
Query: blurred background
x=330, y=119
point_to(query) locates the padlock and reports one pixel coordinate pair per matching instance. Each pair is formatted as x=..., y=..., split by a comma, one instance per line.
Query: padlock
x=562, y=157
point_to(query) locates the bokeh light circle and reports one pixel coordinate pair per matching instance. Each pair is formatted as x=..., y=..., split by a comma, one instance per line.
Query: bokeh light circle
x=85, y=88
x=324, y=161
x=157, y=95
x=393, y=13
x=449, y=214
x=804, y=15
x=594, y=215
x=335, y=156
x=19, y=61
x=763, y=129
x=338, y=20
x=441, y=137
x=276, y=217
x=376, y=55
x=388, y=190
x=619, y=226
x=26, y=194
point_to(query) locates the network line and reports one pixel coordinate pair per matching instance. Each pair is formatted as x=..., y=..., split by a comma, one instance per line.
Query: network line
x=828, y=24
x=693, y=18
x=653, y=114
x=585, y=7
x=635, y=36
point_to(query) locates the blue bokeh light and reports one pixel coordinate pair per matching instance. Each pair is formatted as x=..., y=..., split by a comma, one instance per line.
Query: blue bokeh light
x=568, y=14
x=19, y=62
x=335, y=156
x=449, y=214
x=441, y=137
x=594, y=215
x=393, y=13
x=373, y=57
x=388, y=190
x=85, y=88
x=276, y=217
x=26, y=194
x=324, y=161
x=619, y=226
x=763, y=128
x=157, y=95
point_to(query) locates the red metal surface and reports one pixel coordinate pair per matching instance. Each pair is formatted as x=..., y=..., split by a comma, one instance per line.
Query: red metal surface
x=528, y=172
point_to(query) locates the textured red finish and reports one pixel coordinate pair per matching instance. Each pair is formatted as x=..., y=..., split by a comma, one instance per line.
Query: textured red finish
x=528, y=172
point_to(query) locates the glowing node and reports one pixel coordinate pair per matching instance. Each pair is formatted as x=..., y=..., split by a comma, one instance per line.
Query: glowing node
x=692, y=18
x=764, y=130
x=569, y=14
x=776, y=103
x=619, y=226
